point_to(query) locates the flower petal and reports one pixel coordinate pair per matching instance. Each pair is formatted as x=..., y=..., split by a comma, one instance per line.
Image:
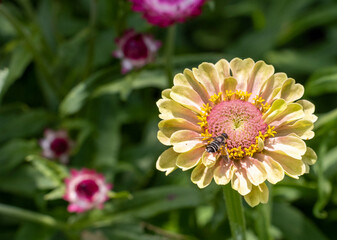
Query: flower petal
x=202, y=176
x=240, y=181
x=292, y=166
x=170, y=126
x=309, y=158
x=167, y=161
x=255, y=170
x=185, y=140
x=222, y=67
x=207, y=75
x=308, y=109
x=302, y=128
x=276, y=108
x=272, y=86
x=259, y=75
x=165, y=94
x=290, y=145
x=291, y=91
x=188, y=80
x=187, y=97
x=275, y=172
x=241, y=70
x=229, y=84
x=190, y=159
x=209, y=159
x=224, y=171
x=171, y=109
x=258, y=194
x=294, y=111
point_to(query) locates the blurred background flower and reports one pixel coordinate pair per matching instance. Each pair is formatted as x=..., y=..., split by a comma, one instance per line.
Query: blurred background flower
x=56, y=145
x=85, y=189
x=164, y=13
x=135, y=50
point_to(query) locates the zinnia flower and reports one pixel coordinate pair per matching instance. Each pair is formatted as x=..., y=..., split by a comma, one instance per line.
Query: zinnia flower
x=85, y=190
x=258, y=111
x=167, y=12
x=56, y=145
x=135, y=50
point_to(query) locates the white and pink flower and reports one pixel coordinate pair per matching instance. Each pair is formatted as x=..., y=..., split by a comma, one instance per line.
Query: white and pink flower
x=56, y=145
x=135, y=50
x=86, y=189
x=167, y=12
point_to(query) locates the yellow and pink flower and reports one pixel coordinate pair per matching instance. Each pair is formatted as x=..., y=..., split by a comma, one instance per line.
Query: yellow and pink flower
x=259, y=110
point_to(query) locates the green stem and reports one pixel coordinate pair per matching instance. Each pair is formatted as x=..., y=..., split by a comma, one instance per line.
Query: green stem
x=169, y=51
x=235, y=213
x=27, y=215
x=263, y=221
x=92, y=38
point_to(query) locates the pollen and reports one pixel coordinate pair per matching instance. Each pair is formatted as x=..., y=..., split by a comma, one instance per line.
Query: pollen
x=240, y=119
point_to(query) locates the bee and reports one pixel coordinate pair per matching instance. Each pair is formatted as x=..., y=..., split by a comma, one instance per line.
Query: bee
x=217, y=142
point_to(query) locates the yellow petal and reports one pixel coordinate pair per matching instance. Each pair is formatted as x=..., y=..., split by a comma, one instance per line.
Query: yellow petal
x=241, y=70
x=240, y=182
x=259, y=194
x=209, y=159
x=187, y=97
x=255, y=170
x=302, y=128
x=294, y=111
x=276, y=108
x=167, y=161
x=308, y=109
x=290, y=145
x=202, y=176
x=190, y=159
x=166, y=93
x=170, y=126
x=222, y=67
x=185, y=140
x=275, y=172
x=293, y=167
x=291, y=91
x=309, y=158
x=171, y=109
x=229, y=84
x=207, y=75
x=259, y=75
x=164, y=139
x=224, y=171
x=272, y=86
x=188, y=80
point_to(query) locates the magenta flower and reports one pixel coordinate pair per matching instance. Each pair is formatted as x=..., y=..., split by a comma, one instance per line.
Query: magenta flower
x=135, y=50
x=167, y=12
x=56, y=145
x=85, y=190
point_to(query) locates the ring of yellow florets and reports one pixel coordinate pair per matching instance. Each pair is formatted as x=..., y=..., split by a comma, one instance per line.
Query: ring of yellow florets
x=236, y=152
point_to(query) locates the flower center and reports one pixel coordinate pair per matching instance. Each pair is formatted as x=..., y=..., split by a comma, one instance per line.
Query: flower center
x=87, y=189
x=135, y=48
x=239, y=119
x=59, y=146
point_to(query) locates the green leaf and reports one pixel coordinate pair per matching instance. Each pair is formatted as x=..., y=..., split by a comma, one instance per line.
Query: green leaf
x=14, y=152
x=294, y=224
x=78, y=96
x=32, y=231
x=18, y=122
x=322, y=82
x=134, y=81
x=20, y=59
x=51, y=170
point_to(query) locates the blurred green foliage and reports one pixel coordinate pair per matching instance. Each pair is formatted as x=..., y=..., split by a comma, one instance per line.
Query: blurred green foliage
x=57, y=72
